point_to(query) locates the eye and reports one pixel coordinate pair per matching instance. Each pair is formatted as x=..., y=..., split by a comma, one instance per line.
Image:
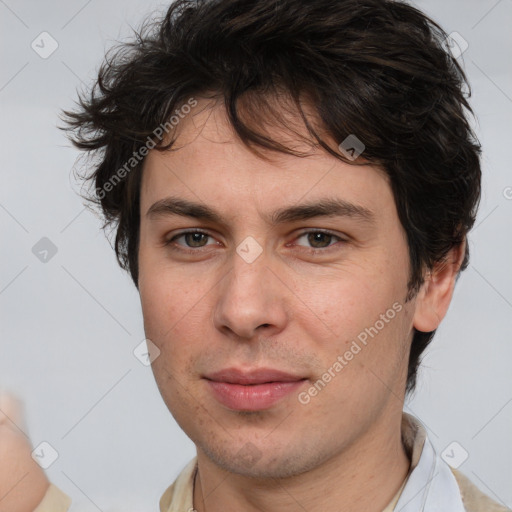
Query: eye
x=318, y=239
x=190, y=239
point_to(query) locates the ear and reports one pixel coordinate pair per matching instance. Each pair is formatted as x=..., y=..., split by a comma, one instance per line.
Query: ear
x=436, y=292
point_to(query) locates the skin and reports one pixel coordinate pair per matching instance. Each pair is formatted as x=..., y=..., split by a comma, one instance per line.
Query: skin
x=23, y=483
x=296, y=308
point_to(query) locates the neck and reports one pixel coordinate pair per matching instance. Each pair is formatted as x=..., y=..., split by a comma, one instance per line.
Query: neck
x=363, y=478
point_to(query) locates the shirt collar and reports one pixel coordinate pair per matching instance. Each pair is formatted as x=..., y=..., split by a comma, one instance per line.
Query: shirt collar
x=430, y=485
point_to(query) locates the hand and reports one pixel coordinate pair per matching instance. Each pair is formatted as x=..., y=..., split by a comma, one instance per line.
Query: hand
x=23, y=483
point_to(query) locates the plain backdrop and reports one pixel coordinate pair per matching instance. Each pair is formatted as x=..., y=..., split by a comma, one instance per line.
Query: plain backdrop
x=69, y=325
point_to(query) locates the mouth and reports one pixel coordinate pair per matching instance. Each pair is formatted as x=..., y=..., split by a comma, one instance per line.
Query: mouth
x=253, y=390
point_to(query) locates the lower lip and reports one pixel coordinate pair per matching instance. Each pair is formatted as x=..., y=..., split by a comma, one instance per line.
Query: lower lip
x=254, y=397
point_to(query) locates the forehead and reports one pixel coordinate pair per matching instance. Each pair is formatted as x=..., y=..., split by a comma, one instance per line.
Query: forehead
x=208, y=160
x=274, y=117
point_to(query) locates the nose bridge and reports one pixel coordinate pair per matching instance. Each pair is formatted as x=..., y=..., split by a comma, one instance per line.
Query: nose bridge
x=248, y=298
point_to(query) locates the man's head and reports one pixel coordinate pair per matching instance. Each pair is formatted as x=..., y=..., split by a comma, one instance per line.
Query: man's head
x=227, y=118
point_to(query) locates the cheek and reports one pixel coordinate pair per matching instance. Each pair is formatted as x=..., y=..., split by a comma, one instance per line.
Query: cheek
x=346, y=301
x=175, y=311
x=357, y=315
x=167, y=296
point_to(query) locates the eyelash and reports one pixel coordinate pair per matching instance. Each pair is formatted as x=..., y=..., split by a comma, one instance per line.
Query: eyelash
x=170, y=243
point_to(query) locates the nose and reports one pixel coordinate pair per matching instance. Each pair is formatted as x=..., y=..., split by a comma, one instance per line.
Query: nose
x=251, y=300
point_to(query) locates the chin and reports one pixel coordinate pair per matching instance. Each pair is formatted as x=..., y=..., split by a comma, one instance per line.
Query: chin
x=249, y=461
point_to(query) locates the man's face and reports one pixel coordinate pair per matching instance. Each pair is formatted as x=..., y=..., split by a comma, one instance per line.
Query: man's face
x=322, y=287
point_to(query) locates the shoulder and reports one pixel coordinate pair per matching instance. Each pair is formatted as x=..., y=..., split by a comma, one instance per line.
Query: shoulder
x=166, y=499
x=54, y=501
x=473, y=498
x=180, y=495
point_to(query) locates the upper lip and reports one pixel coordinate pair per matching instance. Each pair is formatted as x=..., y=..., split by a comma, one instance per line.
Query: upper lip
x=256, y=376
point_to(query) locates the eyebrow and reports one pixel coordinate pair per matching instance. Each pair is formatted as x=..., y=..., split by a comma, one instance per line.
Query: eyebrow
x=327, y=207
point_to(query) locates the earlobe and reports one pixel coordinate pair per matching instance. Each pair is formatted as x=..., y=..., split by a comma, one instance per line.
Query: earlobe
x=436, y=293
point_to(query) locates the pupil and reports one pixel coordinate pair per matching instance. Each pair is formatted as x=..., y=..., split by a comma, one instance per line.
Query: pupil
x=319, y=239
x=195, y=239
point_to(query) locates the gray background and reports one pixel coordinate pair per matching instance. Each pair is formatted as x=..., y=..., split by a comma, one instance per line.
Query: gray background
x=69, y=326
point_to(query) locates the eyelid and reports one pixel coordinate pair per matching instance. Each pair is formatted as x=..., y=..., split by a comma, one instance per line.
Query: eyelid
x=339, y=237
x=306, y=231
x=172, y=239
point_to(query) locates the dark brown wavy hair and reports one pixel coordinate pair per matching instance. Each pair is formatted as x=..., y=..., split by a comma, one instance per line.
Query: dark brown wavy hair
x=378, y=69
